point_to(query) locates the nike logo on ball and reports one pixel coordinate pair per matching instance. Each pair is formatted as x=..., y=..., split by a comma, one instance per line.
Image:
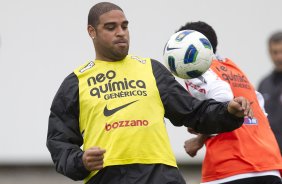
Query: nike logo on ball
x=109, y=112
x=171, y=48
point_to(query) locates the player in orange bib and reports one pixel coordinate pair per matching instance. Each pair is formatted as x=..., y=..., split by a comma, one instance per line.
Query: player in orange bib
x=248, y=155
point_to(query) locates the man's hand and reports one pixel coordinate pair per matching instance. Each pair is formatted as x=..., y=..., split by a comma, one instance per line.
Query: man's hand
x=240, y=107
x=192, y=146
x=93, y=158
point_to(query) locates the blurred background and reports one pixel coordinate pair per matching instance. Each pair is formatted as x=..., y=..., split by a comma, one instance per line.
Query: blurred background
x=41, y=42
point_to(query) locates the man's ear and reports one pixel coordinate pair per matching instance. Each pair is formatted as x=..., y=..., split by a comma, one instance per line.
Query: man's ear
x=91, y=31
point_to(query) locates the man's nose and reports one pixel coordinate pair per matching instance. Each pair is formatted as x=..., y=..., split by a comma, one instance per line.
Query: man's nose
x=120, y=31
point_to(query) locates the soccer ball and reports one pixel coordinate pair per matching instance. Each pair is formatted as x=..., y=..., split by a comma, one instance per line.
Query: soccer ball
x=188, y=54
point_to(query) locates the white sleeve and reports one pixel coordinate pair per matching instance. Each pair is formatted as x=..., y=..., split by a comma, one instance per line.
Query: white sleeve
x=209, y=85
x=261, y=102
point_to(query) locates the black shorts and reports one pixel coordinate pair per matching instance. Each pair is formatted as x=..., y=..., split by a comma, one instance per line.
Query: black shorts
x=257, y=180
x=138, y=174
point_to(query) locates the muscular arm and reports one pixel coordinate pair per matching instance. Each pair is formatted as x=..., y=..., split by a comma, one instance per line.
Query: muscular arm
x=64, y=138
x=207, y=117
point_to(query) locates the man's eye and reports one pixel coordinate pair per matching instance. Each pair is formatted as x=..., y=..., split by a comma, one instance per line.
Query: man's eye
x=110, y=28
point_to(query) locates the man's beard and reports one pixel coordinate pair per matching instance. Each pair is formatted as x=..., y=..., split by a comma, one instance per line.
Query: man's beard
x=119, y=55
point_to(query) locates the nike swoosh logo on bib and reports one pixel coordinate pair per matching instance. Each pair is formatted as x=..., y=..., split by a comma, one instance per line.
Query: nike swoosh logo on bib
x=109, y=112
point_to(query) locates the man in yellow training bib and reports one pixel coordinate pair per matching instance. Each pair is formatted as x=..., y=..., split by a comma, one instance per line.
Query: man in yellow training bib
x=115, y=107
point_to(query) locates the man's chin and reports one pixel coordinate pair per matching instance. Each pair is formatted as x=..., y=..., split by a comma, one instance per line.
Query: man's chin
x=120, y=56
x=278, y=67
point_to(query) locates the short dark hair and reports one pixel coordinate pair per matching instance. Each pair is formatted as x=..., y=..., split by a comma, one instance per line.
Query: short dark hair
x=98, y=9
x=275, y=37
x=203, y=28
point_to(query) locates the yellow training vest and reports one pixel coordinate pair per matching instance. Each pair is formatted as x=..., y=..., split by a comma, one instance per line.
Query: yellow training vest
x=121, y=111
